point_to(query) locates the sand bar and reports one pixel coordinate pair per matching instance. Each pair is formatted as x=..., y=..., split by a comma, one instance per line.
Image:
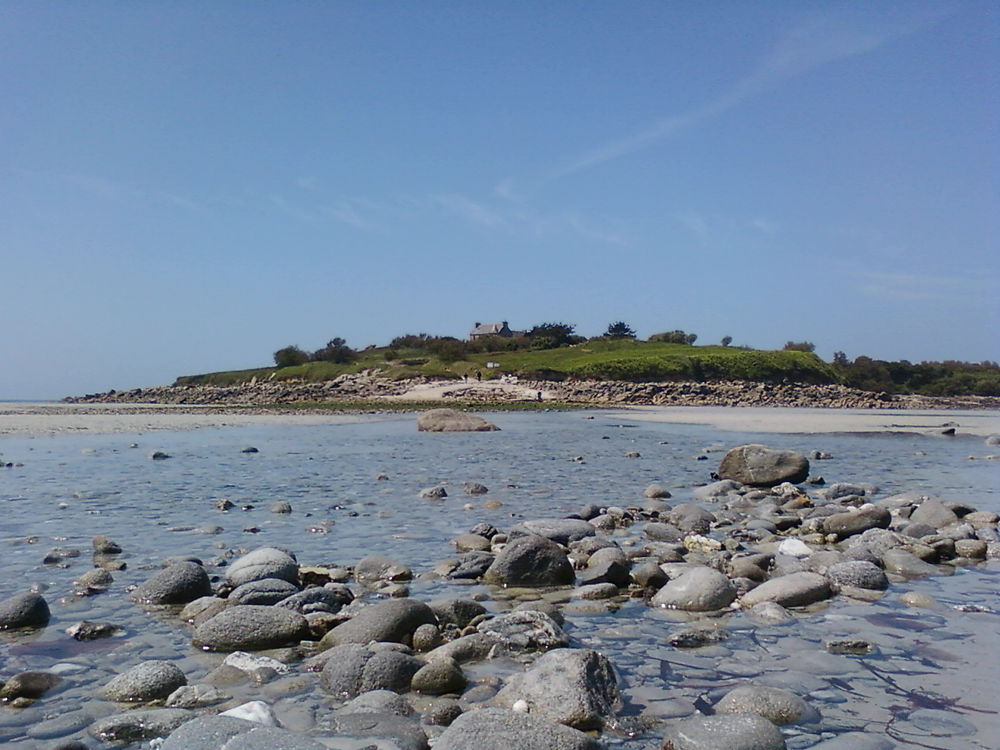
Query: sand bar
x=38, y=419
x=793, y=420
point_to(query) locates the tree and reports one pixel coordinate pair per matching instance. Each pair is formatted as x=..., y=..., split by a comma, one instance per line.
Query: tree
x=552, y=335
x=840, y=359
x=800, y=346
x=674, y=337
x=620, y=330
x=290, y=356
x=336, y=351
x=727, y=340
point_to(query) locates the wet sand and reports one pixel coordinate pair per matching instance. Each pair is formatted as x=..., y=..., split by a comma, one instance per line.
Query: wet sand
x=39, y=419
x=792, y=420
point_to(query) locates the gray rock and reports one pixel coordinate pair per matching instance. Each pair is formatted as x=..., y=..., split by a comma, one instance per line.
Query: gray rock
x=231, y=733
x=839, y=490
x=458, y=612
x=502, y=729
x=104, y=546
x=261, y=563
x=250, y=628
x=352, y=669
x=145, y=682
x=376, y=568
x=905, y=563
x=471, y=543
x=663, y=532
x=195, y=696
x=329, y=598
x=993, y=440
x=699, y=589
x=933, y=513
x=649, y=575
x=770, y=613
x=525, y=630
x=760, y=466
x=716, y=490
x=179, y=583
x=206, y=733
x=606, y=571
x=434, y=493
x=438, y=677
x=857, y=521
x=691, y=518
x=656, y=491
x=575, y=687
x=24, y=611
x=473, y=489
x=133, y=726
x=777, y=705
x=265, y=591
x=91, y=631
x=530, y=561
x=794, y=590
x=28, y=685
x=378, y=702
x=471, y=565
x=559, y=530
x=858, y=573
x=452, y=420
x=393, y=620
x=724, y=732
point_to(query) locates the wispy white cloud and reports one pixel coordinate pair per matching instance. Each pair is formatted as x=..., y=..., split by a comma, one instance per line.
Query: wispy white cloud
x=765, y=225
x=821, y=41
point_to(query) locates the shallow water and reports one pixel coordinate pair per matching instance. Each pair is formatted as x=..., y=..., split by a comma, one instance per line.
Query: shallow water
x=931, y=683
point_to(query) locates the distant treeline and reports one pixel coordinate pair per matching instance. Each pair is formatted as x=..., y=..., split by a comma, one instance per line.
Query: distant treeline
x=650, y=361
x=948, y=378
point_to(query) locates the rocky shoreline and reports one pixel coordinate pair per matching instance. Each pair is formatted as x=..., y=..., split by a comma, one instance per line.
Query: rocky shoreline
x=766, y=539
x=370, y=387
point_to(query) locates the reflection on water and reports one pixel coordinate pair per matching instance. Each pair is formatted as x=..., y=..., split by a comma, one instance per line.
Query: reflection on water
x=930, y=682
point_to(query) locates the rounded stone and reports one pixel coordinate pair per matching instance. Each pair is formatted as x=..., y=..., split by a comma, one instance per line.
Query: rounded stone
x=438, y=677
x=249, y=628
x=179, y=583
x=724, y=732
x=145, y=682
x=777, y=705
x=858, y=573
x=24, y=611
x=699, y=589
x=265, y=562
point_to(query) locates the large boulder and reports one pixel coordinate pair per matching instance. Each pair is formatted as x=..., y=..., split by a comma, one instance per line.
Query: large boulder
x=777, y=705
x=353, y=669
x=452, y=420
x=760, y=466
x=531, y=561
x=24, y=611
x=858, y=574
x=393, y=620
x=724, y=732
x=179, y=583
x=250, y=628
x=792, y=590
x=699, y=589
x=146, y=681
x=265, y=562
x=574, y=687
x=502, y=729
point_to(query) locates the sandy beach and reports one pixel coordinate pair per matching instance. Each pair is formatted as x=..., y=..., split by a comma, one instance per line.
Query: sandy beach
x=41, y=419
x=792, y=420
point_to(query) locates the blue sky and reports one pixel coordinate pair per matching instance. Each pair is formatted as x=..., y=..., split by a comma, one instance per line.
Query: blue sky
x=187, y=187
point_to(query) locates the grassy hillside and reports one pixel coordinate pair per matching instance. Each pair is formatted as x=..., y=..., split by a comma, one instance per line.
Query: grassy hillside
x=611, y=359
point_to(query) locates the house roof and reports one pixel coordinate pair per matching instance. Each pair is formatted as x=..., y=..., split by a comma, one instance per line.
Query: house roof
x=485, y=329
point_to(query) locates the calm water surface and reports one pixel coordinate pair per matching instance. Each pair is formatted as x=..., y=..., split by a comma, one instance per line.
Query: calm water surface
x=932, y=683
